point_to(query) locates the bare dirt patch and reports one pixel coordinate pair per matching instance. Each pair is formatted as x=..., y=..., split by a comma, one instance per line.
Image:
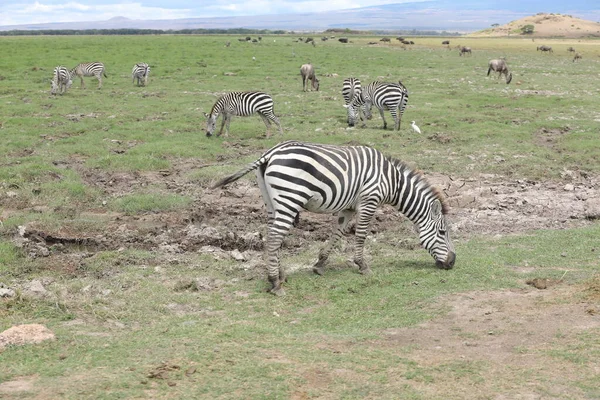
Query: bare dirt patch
x=505, y=333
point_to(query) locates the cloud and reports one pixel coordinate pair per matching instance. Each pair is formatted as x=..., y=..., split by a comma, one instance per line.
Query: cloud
x=38, y=12
x=12, y=12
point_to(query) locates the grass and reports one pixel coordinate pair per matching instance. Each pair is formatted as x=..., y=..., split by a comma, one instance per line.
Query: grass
x=82, y=165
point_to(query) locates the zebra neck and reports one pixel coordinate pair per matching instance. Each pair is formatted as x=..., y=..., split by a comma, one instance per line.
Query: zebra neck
x=412, y=195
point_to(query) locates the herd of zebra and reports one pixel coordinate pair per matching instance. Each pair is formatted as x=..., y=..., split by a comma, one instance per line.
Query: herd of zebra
x=63, y=77
x=345, y=180
x=383, y=95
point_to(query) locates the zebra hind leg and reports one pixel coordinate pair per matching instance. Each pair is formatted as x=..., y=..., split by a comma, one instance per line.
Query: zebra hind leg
x=383, y=118
x=344, y=218
x=279, y=226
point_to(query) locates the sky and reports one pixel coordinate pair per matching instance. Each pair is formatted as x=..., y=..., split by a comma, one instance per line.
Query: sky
x=18, y=12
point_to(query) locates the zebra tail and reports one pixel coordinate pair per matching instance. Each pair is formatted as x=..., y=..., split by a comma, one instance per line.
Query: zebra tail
x=240, y=173
x=489, y=70
x=104, y=72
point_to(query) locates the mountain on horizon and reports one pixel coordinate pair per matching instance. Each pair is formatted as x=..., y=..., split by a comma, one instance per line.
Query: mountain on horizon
x=448, y=15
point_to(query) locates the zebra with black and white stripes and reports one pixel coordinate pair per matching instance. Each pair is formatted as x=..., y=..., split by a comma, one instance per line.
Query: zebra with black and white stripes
x=384, y=95
x=89, y=69
x=350, y=88
x=295, y=176
x=61, y=81
x=241, y=104
x=141, y=72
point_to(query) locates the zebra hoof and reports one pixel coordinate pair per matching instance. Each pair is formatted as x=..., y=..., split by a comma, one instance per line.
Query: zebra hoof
x=365, y=271
x=319, y=270
x=279, y=292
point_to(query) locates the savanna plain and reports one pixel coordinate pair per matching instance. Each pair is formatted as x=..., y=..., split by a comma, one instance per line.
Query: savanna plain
x=154, y=284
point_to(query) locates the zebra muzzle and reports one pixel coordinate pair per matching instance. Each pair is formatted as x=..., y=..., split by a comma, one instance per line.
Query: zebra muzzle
x=448, y=263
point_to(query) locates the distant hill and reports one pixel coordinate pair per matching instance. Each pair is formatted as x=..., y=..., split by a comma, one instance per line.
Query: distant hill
x=545, y=25
x=423, y=15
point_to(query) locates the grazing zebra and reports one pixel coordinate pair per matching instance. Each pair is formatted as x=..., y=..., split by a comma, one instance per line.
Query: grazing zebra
x=308, y=74
x=242, y=104
x=141, y=72
x=89, y=69
x=383, y=95
x=350, y=88
x=295, y=176
x=499, y=66
x=61, y=81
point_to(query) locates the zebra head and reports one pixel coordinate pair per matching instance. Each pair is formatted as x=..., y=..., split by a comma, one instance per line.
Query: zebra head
x=211, y=123
x=433, y=234
x=53, y=86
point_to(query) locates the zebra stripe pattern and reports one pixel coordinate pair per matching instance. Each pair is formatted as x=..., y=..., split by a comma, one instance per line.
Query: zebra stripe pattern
x=383, y=95
x=141, y=72
x=241, y=104
x=295, y=176
x=350, y=88
x=61, y=81
x=89, y=69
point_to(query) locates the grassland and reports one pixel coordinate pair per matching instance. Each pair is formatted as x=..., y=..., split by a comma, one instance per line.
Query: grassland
x=104, y=200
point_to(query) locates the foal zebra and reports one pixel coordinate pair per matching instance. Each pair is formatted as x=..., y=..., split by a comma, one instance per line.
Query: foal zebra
x=383, y=95
x=140, y=71
x=243, y=104
x=295, y=176
x=61, y=81
x=89, y=69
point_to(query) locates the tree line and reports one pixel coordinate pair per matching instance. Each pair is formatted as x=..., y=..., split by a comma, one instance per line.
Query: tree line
x=134, y=31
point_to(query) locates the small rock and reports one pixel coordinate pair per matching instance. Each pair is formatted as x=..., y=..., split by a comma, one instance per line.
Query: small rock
x=4, y=292
x=36, y=288
x=569, y=187
x=237, y=255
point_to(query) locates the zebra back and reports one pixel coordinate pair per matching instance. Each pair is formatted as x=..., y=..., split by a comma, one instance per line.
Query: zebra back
x=243, y=103
x=95, y=68
x=351, y=87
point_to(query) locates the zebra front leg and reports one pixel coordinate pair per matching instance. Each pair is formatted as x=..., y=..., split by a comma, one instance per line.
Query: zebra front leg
x=100, y=82
x=363, y=220
x=223, y=122
x=344, y=218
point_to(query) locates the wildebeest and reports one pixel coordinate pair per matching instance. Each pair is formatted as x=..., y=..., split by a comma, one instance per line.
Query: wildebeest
x=384, y=39
x=577, y=57
x=446, y=42
x=309, y=39
x=400, y=39
x=464, y=50
x=571, y=50
x=499, y=66
x=308, y=73
x=343, y=40
x=544, y=48
x=324, y=38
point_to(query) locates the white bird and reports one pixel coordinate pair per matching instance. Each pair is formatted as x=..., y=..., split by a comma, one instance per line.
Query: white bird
x=415, y=127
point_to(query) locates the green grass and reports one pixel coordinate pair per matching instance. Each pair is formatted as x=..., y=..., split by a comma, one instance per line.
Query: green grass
x=82, y=164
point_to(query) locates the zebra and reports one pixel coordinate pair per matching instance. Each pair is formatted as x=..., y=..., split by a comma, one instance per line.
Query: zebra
x=89, y=69
x=61, y=81
x=242, y=104
x=392, y=96
x=354, y=180
x=307, y=71
x=350, y=88
x=140, y=71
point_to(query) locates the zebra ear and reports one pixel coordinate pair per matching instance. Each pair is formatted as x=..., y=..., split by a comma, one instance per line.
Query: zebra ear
x=205, y=114
x=436, y=207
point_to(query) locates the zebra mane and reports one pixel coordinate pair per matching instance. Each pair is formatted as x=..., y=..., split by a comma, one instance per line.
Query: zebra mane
x=421, y=181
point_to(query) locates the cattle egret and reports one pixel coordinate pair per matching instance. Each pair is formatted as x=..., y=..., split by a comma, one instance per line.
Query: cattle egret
x=415, y=127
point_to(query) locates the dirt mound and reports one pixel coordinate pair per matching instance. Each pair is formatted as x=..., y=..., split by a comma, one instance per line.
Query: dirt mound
x=25, y=334
x=545, y=25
